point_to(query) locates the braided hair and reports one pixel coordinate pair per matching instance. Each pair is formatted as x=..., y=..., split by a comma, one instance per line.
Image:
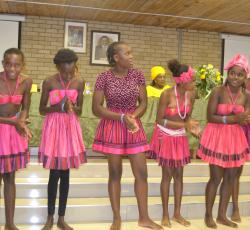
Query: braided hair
x=112, y=50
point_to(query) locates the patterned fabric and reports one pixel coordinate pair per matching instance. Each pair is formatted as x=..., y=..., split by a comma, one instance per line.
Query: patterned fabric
x=121, y=94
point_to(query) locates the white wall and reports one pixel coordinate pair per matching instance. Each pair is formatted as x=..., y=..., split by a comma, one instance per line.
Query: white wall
x=235, y=44
x=9, y=32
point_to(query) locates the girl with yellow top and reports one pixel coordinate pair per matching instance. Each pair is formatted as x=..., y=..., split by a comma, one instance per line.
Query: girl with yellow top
x=158, y=85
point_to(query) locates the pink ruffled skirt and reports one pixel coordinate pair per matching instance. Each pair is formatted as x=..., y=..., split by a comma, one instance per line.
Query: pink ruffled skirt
x=169, y=151
x=224, y=145
x=61, y=144
x=14, y=153
x=113, y=137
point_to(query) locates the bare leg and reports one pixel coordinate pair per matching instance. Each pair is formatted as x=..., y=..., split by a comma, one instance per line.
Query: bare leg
x=139, y=168
x=225, y=193
x=9, y=199
x=165, y=185
x=216, y=174
x=235, y=195
x=114, y=188
x=178, y=190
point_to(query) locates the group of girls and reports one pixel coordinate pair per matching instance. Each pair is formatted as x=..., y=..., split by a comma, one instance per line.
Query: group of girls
x=223, y=143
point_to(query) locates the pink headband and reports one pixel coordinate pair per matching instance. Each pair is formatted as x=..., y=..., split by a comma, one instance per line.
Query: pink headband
x=239, y=60
x=185, y=76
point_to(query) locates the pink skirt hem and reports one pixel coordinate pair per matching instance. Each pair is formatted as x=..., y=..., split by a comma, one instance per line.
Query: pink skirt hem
x=61, y=163
x=120, y=151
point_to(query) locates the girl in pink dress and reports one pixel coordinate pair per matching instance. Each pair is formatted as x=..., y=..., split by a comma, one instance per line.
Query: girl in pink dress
x=14, y=134
x=223, y=143
x=236, y=186
x=169, y=144
x=61, y=146
x=120, y=131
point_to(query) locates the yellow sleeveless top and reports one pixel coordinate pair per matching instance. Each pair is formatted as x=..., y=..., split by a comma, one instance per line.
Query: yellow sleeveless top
x=154, y=92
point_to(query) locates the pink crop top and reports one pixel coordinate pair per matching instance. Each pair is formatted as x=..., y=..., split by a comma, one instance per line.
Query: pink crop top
x=11, y=98
x=14, y=99
x=56, y=95
x=226, y=109
x=173, y=111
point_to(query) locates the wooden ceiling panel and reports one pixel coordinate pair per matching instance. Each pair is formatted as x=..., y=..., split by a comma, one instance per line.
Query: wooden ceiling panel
x=167, y=13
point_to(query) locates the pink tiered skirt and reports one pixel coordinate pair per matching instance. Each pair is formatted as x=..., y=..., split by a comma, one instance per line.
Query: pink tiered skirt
x=14, y=152
x=169, y=151
x=61, y=144
x=113, y=137
x=224, y=145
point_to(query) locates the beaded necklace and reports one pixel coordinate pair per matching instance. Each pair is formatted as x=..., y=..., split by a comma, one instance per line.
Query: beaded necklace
x=177, y=104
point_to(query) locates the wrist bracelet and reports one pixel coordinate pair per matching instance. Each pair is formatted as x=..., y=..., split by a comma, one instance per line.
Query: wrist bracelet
x=224, y=119
x=165, y=121
x=62, y=107
x=122, y=117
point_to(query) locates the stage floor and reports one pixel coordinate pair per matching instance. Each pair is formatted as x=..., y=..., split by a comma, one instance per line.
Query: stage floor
x=195, y=225
x=88, y=200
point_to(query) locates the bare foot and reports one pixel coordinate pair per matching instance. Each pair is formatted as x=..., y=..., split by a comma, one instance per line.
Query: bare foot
x=166, y=222
x=227, y=222
x=10, y=227
x=236, y=216
x=116, y=225
x=49, y=223
x=148, y=223
x=179, y=219
x=209, y=222
x=61, y=224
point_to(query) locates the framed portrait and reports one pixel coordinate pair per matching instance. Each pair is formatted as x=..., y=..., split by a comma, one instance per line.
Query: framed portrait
x=100, y=40
x=75, y=36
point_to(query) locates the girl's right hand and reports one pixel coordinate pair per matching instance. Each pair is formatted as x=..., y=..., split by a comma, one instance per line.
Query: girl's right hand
x=22, y=128
x=242, y=118
x=68, y=106
x=131, y=123
x=191, y=125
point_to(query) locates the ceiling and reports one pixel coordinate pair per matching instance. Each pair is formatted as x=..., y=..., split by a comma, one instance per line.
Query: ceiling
x=227, y=16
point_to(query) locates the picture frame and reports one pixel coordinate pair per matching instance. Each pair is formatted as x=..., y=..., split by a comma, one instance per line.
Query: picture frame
x=100, y=40
x=75, y=36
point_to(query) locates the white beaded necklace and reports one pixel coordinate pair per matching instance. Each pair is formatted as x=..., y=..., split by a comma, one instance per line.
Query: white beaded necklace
x=177, y=104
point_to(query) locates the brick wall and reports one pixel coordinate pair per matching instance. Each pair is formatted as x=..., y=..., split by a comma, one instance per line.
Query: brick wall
x=41, y=37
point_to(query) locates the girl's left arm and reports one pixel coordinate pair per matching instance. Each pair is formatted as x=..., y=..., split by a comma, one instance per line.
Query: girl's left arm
x=78, y=107
x=143, y=100
x=24, y=113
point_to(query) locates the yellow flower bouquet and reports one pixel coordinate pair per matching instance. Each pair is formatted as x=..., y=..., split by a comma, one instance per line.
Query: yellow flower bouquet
x=207, y=77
